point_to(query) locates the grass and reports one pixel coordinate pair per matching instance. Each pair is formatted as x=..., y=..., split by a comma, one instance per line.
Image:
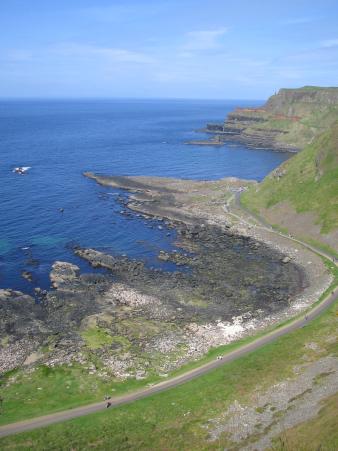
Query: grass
x=96, y=337
x=316, y=88
x=176, y=419
x=170, y=420
x=306, y=239
x=47, y=390
x=280, y=228
x=27, y=394
x=320, y=433
x=324, y=247
x=297, y=120
x=310, y=183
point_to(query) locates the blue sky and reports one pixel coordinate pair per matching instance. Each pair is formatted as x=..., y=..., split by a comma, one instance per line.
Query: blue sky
x=166, y=48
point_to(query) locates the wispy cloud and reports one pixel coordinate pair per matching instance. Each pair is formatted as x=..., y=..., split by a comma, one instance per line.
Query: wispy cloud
x=329, y=43
x=110, y=54
x=76, y=52
x=298, y=20
x=203, y=39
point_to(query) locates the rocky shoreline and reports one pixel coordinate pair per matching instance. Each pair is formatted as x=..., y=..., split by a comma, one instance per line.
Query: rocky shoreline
x=132, y=320
x=249, y=127
x=236, y=130
x=284, y=123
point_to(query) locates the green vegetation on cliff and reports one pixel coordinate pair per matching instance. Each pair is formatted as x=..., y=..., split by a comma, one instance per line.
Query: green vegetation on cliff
x=308, y=181
x=304, y=113
x=289, y=120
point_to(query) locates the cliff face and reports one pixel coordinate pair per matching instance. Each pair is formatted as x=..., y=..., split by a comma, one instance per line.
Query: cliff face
x=288, y=121
x=293, y=102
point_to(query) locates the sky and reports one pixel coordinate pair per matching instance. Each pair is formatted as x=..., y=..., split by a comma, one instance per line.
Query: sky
x=212, y=49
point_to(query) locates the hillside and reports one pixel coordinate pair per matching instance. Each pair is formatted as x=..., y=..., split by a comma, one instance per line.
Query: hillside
x=261, y=391
x=302, y=194
x=288, y=121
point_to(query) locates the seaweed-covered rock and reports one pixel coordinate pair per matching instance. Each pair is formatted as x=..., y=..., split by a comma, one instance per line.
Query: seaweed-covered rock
x=63, y=273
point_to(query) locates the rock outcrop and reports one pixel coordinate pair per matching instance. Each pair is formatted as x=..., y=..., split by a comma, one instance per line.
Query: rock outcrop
x=288, y=121
x=63, y=273
x=131, y=317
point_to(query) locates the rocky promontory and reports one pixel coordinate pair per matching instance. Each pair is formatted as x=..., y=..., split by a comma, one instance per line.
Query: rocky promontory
x=288, y=121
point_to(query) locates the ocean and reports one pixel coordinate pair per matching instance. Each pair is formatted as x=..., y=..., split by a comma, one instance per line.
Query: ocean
x=60, y=139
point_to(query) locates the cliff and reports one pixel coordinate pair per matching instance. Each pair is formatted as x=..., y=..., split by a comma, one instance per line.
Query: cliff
x=288, y=121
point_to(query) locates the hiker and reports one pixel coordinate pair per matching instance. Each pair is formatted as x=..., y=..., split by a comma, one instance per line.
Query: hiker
x=108, y=404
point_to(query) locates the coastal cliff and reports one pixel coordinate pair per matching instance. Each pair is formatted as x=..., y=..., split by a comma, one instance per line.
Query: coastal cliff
x=288, y=121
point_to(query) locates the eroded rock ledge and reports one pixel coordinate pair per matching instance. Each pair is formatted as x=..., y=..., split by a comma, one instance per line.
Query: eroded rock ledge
x=284, y=123
x=132, y=320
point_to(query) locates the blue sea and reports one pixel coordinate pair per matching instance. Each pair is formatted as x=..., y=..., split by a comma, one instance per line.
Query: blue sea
x=61, y=139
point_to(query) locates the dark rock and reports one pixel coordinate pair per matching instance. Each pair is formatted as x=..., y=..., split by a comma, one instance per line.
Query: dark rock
x=27, y=275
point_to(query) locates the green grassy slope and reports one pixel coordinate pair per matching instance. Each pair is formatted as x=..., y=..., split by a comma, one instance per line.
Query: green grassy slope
x=177, y=419
x=312, y=124
x=295, y=116
x=308, y=181
x=320, y=433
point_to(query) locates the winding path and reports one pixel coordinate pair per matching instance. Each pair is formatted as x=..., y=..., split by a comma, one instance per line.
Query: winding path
x=46, y=420
x=268, y=228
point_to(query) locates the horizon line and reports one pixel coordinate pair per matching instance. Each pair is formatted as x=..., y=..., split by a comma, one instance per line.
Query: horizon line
x=28, y=98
